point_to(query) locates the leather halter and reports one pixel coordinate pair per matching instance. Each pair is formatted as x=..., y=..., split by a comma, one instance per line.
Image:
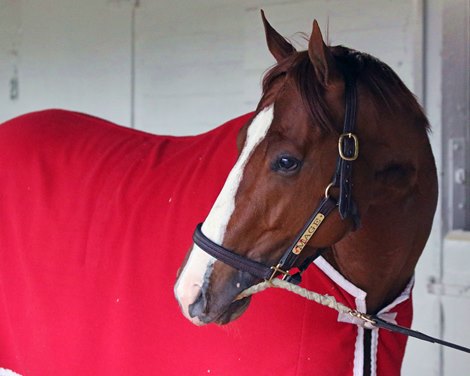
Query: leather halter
x=348, y=149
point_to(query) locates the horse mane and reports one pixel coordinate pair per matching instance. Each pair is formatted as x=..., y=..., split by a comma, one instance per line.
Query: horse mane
x=378, y=78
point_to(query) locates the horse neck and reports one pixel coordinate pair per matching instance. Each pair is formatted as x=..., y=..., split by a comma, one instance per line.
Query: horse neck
x=381, y=256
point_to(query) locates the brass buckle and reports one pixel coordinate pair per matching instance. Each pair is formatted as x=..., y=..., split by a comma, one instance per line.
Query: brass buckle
x=356, y=146
x=277, y=269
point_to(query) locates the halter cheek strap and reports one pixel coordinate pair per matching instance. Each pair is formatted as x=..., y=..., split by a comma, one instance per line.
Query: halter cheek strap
x=290, y=257
x=348, y=150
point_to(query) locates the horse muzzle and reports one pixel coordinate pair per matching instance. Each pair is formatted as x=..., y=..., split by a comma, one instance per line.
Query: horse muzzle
x=209, y=295
x=200, y=310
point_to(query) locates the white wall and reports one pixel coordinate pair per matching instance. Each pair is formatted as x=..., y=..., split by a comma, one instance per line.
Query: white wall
x=68, y=54
x=198, y=65
x=174, y=66
x=180, y=67
x=424, y=358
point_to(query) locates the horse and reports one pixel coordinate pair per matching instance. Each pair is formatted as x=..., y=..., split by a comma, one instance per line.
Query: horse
x=96, y=219
x=288, y=155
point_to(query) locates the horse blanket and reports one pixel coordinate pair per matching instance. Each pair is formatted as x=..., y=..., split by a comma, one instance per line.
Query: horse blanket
x=95, y=220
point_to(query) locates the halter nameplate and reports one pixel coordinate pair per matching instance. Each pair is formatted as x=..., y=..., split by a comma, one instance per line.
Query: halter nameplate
x=305, y=237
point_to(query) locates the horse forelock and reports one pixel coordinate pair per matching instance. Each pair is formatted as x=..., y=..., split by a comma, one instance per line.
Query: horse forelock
x=298, y=67
x=386, y=88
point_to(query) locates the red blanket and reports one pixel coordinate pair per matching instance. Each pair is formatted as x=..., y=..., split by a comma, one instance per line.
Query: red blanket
x=95, y=220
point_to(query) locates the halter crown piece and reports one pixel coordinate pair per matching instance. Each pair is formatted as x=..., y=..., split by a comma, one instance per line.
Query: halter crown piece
x=348, y=150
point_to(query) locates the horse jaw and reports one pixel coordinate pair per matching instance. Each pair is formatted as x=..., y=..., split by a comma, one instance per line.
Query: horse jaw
x=198, y=267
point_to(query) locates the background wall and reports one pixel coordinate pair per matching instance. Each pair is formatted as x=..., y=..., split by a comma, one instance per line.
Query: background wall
x=68, y=54
x=180, y=67
x=173, y=66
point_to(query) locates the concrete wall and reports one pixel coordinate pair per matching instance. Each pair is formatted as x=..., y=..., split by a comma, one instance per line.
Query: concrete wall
x=180, y=67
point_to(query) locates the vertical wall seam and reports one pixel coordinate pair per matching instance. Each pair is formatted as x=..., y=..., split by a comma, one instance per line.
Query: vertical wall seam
x=135, y=5
x=443, y=225
x=428, y=7
x=418, y=40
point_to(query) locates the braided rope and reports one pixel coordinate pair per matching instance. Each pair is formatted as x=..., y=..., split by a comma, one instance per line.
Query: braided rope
x=365, y=320
x=325, y=300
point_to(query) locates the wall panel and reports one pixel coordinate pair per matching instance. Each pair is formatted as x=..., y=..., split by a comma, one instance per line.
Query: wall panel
x=71, y=54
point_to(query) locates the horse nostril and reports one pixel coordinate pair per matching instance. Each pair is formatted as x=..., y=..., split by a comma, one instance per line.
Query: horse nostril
x=198, y=307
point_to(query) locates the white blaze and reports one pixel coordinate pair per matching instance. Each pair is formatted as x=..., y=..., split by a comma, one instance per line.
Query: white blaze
x=191, y=278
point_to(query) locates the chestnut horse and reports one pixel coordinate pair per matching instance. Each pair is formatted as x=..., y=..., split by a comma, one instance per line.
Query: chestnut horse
x=288, y=155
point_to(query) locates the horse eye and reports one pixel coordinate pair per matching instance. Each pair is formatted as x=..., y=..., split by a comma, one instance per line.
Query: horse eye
x=287, y=164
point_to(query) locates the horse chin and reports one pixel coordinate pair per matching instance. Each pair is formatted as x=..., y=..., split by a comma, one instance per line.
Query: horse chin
x=233, y=312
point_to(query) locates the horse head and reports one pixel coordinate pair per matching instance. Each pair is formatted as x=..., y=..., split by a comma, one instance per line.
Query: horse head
x=288, y=155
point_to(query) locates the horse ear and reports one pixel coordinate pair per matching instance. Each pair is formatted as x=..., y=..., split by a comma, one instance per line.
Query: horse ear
x=321, y=57
x=279, y=47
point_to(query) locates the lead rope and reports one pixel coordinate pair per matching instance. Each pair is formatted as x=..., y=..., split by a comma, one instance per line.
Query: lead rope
x=325, y=300
x=368, y=321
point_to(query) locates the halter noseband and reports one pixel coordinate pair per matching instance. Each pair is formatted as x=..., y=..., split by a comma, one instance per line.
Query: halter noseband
x=348, y=149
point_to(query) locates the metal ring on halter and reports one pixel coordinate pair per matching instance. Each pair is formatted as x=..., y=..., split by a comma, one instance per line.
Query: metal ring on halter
x=327, y=189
